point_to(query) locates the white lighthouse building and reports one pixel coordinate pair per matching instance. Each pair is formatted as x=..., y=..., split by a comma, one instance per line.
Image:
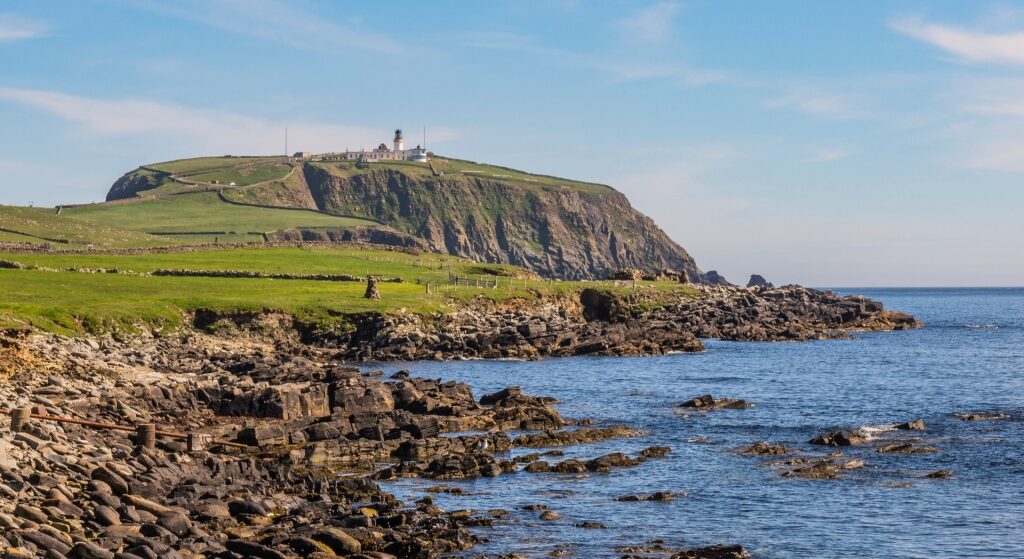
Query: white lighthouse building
x=380, y=153
x=399, y=142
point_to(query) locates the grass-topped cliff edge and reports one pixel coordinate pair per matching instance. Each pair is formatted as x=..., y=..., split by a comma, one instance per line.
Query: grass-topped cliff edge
x=560, y=228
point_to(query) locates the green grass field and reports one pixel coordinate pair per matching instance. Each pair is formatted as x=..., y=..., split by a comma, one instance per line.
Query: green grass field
x=7, y=237
x=48, y=295
x=205, y=212
x=208, y=164
x=69, y=302
x=244, y=176
x=42, y=224
x=75, y=302
x=470, y=168
x=318, y=260
x=350, y=168
x=256, y=194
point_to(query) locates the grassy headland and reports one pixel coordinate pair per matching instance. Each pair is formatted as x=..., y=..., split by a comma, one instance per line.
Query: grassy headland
x=205, y=212
x=47, y=295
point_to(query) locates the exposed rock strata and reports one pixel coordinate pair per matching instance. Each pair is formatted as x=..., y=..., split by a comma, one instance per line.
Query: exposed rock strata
x=602, y=323
x=567, y=233
x=297, y=418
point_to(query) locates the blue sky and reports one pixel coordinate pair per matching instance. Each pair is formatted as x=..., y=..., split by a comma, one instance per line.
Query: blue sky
x=825, y=143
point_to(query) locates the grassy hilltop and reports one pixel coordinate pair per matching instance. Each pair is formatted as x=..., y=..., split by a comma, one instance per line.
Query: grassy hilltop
x=96, y=273
x=557, y=227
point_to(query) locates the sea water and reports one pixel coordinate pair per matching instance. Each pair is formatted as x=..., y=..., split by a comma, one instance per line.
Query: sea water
x=969, y=357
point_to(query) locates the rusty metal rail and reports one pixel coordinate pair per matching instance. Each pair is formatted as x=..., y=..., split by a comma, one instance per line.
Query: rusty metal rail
x=115, y=427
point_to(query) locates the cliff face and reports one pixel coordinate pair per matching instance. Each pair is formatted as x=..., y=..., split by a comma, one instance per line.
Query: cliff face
x=135, y=183
x=558, y=232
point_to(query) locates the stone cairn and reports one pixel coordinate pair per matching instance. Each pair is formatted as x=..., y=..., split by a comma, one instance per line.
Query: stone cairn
x=372, y=291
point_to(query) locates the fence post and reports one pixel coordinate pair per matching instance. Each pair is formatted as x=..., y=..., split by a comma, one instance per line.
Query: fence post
x=196, y=442
x=20, y=418
x=145, y=436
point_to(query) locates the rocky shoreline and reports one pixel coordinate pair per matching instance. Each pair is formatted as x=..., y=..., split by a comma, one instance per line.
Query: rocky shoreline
x=592, y=322
x=270, y=444
x=263, y=450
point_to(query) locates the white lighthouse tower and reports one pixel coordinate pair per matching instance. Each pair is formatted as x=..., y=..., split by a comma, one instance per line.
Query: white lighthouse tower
x=399, y=142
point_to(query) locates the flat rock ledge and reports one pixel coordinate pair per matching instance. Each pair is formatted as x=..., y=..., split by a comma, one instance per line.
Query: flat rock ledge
x=593, y=322
x=284, y=452
x=602, y=323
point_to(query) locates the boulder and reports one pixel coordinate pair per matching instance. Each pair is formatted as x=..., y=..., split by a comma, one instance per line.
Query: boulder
x=719, y=551
x=338, y=540
x=707, y=402
x=916, y=425
x=764, y=448
x=981, y=416
x=251, y=549
x=359, y=396
x=116, y=483
x=89, y=550
x=842, y=437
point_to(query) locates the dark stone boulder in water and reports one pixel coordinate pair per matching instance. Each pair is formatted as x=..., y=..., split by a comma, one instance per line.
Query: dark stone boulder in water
x=916, y=425
x=707, y=402
x=590, y=525
x=549, y=516
x=513, y=396
x=656, y=496
x=821, y=469
x=981, y=416
x=613, y=460
x=939, y=474
x=655, y=451
x=719, y=551
x=576, y=436
x=764, y=448
x=757, y=280
x=842, y=437
x=907, y=448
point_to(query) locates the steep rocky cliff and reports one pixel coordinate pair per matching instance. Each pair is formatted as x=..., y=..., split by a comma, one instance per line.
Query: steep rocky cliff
x=556, y=227
x=559, y=232
x=136, y=183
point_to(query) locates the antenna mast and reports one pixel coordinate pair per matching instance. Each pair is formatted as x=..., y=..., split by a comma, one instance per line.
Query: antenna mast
x=286, y=141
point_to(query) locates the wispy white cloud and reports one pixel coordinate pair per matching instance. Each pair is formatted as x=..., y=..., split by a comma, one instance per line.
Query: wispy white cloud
x=968, y=45
x=986, y=126
x=1006, y=155
x=622, y=69
x=206, y=130
x=652, y=24
x=832, y=153
x=818, y=103
x=997, y=97
x=285, y=23
x=17, y=28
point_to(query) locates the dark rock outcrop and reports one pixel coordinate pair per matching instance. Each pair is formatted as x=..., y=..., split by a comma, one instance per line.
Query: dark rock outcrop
x=714, y=278
x=757, y=280
x=136, y=183
x=842, y=437
x=708, y=402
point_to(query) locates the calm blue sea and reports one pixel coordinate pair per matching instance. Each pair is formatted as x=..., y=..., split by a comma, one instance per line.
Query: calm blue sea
x=969, y=357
